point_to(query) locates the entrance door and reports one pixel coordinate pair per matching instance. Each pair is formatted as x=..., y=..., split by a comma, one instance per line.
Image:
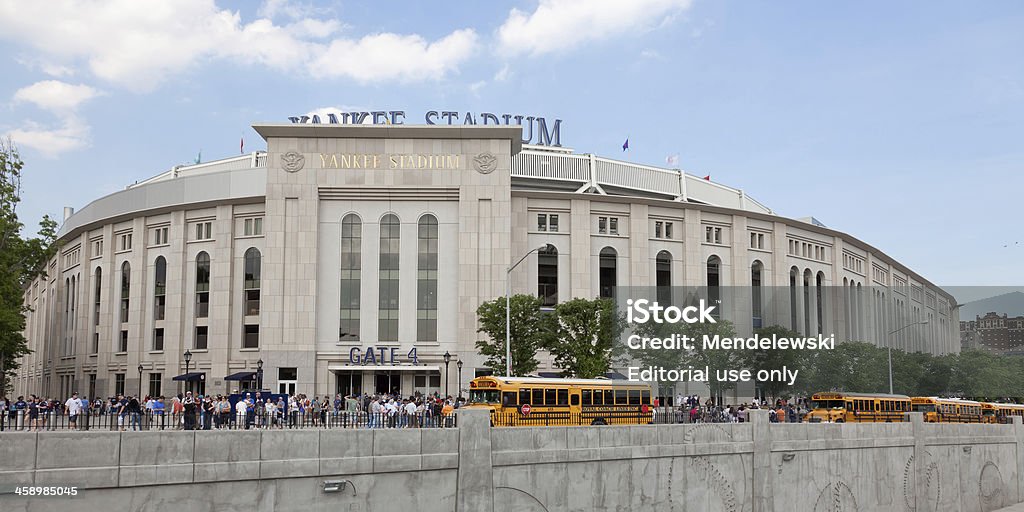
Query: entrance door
x=387, y=382
x=349, y=384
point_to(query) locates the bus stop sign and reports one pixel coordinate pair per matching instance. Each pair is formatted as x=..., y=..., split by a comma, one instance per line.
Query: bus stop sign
x=525, y=409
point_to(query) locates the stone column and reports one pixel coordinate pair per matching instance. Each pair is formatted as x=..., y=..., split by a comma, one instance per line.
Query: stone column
x=475, y=489
x=762, y=492
x=1018, y=429
x=920, y=460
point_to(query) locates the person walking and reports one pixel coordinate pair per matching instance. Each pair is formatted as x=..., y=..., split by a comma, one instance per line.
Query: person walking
x=134, y=409
x=190, y=407
x=73, y=407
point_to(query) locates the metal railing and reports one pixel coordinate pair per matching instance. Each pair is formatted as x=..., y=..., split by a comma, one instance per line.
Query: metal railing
x=23, y=421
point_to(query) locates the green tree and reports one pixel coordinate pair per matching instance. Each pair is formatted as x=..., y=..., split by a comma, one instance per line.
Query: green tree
x=714, y=360
x=793, y=360
x=583, y=335
x=530, y=329
x=21, y=261
x=852, y=366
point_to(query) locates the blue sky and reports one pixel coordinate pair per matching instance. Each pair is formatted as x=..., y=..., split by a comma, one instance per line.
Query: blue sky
x=900, y=123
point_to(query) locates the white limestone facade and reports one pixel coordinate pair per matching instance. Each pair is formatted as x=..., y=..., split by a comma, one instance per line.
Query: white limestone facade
x=387, y=238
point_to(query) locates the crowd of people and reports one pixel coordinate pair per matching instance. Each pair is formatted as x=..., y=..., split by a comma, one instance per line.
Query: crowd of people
x=189, y=411
x=690, y=409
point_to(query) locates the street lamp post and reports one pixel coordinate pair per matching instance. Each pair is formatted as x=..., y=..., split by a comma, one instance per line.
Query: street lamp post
x=140, y=381
x=447, y=359
x=890, y=348
x=459, y=364
x=259, y=375
x=508, y=315
x=188, y=359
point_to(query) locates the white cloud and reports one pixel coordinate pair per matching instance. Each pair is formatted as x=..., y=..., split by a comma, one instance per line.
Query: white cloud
x=55, y=95
x=388, y=56
x=558, y=25
x=648, y=53
x=503, y=74
x=139, y=44
x=475, y=87
x=50, y=141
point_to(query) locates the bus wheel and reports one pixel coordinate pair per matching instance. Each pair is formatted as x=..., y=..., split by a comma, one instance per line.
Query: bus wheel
x=840, y=420
x=598, y=421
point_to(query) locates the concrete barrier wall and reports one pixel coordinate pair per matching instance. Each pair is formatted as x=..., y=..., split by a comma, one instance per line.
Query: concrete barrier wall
x=756, y=467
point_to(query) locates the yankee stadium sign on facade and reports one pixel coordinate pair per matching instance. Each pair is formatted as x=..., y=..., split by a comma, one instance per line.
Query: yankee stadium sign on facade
x=543, y=136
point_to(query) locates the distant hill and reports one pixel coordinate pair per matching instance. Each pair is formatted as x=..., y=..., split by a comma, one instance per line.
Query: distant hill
x=1012, y=304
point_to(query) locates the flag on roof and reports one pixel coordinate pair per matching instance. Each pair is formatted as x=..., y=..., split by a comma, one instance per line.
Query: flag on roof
x=708, y=177
x=625, y=145
x=672, y=160
x=199, y=158
x=241, y=145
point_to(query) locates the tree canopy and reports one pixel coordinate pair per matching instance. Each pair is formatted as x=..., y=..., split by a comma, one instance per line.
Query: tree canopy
x=21, y=260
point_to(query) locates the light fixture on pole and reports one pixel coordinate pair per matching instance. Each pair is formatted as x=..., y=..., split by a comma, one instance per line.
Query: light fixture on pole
x=508, y=315
x=890, y=348
x=188, y=359
x=459, y=364
x=447, y=359
x=140, y=381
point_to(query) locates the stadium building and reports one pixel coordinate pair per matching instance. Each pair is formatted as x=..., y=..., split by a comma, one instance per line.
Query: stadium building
x=352, y=258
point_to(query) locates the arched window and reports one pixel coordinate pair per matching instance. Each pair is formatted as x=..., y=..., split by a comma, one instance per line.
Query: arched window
x=607, y=277
x=387, y=316
x=202, y=285
x=426, y=286
x=663, y=277
x=159, y=288
x=819, y=291
x=714, y=283
x=755, y=293
x=547, y=275
x=98, y=288
x=794, y=273
x=846, y=308
x=126, y=288
x=807, y=301
x=251, y=285
x=351, y=270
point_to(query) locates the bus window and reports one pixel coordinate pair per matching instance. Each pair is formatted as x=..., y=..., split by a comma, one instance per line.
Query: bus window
x=620, y=397
x=574, y=399
x=609, y=397
x=645, y=397
x=563, y=397
x=634, y=397
x=549, y=396
x=538, y=396
x=524, y=395
x=586, y=396
x=508, y=399
x=598, y=397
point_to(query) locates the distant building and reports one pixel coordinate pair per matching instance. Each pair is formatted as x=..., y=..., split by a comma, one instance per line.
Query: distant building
x=994, y=332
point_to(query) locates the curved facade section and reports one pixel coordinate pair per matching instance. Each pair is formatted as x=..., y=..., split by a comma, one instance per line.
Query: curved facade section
x=360, y=267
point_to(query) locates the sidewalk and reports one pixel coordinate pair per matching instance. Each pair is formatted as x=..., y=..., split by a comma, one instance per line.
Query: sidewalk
x=1013, y=508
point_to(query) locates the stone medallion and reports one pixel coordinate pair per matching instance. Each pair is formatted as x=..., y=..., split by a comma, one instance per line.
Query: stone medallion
x=485, y=163
x=292, y=161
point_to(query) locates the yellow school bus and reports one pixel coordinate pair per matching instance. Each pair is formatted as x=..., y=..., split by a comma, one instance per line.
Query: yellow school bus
x=992, y=412
x=947, y=410
x=534, y=401
x=841, y=407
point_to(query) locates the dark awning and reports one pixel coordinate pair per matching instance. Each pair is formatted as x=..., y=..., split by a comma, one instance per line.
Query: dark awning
x=191, y=376
x=241, y=376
